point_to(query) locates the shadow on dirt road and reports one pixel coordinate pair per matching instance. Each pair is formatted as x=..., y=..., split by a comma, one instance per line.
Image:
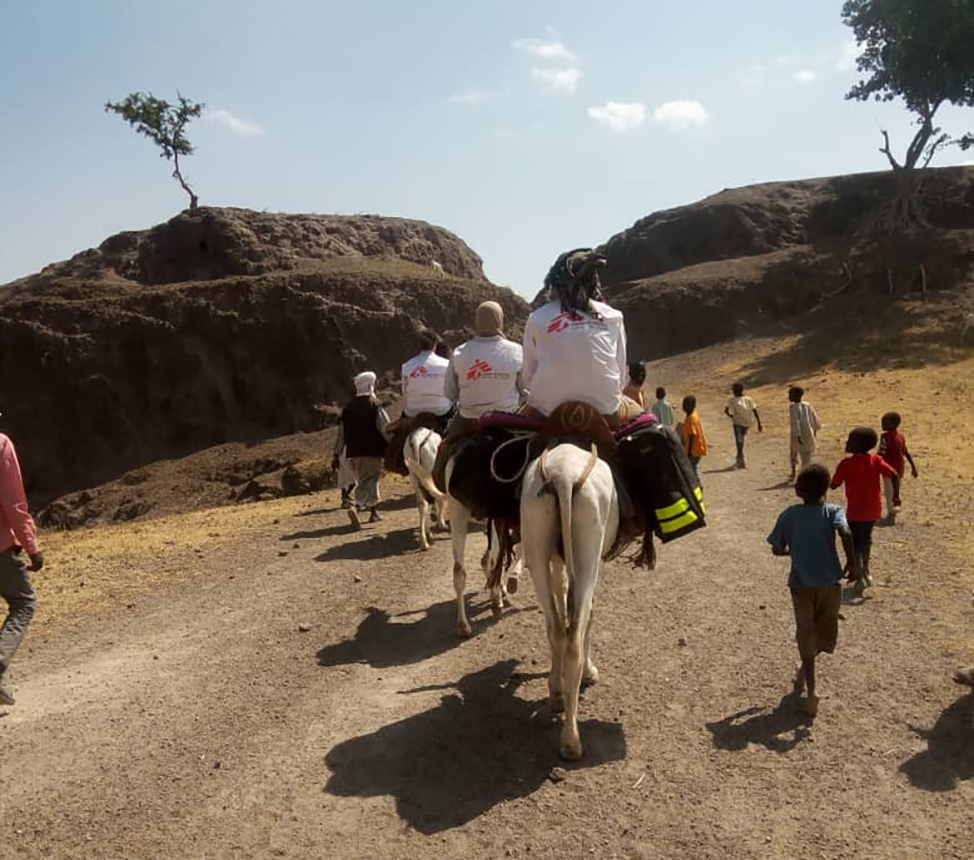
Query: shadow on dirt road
x=381, y=641
x=480, y=746
x=780, y=730
x=949, y=756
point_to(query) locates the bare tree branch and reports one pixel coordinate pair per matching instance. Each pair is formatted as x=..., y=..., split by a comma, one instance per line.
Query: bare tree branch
x=888, y=152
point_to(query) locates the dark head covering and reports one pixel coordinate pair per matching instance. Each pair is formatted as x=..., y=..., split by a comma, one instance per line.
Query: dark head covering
x=574, y=279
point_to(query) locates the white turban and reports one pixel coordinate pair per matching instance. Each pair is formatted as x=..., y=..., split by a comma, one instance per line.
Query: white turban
x=365, y=384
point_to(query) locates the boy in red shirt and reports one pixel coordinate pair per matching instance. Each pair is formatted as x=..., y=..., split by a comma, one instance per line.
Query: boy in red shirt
x=861, y=474
x=892, y=448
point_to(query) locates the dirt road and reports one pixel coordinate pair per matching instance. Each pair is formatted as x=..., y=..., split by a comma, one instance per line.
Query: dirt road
x=198, y=721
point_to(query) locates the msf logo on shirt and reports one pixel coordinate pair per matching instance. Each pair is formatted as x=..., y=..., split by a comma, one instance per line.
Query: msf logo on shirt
x=562, y=322
x=478, y=370
x=418, y=371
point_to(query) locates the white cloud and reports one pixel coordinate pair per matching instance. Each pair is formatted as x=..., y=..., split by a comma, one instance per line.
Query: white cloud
x=966, y=164
x=619, y=116
x=681, y=114
x=851, y=52
x=544, y=48
x=805, y=76
x=240, y=127
x=472, y=97
x=557, y=80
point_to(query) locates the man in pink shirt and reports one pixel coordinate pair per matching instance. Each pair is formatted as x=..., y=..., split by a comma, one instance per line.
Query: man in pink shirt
x=18, y=536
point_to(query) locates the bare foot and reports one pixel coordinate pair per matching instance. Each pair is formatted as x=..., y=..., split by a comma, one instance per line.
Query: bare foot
x=799, y=682
x=965, y=676
x=809, y=707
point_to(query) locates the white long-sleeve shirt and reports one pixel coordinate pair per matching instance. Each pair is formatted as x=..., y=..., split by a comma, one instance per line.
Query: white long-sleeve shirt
x=423, y=379
x=485, y=376
x=804, y=422
x=575, y=357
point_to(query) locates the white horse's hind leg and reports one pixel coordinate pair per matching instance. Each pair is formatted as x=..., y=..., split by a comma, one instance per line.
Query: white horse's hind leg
x=459, y=521
x=590, y=675
x=514, y=575
x=424, y=513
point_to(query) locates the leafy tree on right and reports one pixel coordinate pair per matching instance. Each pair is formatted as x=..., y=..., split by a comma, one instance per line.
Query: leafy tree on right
x=921, y=51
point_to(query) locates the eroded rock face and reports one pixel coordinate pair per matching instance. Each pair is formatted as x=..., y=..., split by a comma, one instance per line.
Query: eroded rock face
x=154, y=345
x=223, y=242
x=734, y=262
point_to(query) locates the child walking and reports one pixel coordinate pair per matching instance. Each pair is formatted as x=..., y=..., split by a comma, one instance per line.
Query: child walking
x=694, y=441
x=892, y=448
x=806, y=533
x=743, y=412
x=861, y=473
x=804, y=428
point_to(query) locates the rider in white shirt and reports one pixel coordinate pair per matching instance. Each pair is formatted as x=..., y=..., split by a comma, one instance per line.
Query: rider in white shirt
x=485, y=373
x=575, y=345
x=423, y=378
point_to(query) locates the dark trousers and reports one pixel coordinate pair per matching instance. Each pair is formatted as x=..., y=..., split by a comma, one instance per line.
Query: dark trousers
x=16, y=589
x=740, y=434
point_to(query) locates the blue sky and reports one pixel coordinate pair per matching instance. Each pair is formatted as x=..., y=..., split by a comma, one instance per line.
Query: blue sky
x=525, y=126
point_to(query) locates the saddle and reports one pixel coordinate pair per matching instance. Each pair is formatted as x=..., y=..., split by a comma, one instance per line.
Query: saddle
x=400, y=430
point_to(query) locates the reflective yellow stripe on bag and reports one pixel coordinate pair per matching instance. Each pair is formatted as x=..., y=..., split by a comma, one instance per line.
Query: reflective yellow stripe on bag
x=699, y=494
x=679, y=523
x=672, y=511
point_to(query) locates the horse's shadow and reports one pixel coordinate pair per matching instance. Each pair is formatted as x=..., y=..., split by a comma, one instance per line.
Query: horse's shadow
x=780, y=730
x=949, y=756
x=376, y=546
x=480, y=746
x=380, y=641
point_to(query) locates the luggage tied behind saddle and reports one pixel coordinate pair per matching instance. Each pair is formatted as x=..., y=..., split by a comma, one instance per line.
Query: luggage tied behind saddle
x=662, y=480
x=487, y=468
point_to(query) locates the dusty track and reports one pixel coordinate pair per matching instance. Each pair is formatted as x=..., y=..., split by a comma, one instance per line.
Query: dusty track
x=201, y=723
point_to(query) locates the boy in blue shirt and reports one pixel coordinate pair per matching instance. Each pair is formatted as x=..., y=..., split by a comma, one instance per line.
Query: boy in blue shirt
x=806, y=533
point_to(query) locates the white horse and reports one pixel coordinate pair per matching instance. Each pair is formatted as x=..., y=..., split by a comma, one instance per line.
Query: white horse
x=419, y=452
x=569, y=494
x=460, y=517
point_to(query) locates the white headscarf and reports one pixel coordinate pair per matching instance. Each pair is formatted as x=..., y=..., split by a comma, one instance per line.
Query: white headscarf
x=365, y=384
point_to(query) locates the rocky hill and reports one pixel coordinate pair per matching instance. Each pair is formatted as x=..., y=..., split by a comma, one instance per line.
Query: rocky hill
x=231, y=326
x=748, y=258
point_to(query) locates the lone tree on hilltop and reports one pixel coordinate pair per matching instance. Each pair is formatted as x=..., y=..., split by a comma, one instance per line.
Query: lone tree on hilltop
x=921, y=51
x=164, y=124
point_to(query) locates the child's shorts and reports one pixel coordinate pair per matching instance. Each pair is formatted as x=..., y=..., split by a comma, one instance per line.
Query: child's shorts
x=862, y=533
x=816, y=618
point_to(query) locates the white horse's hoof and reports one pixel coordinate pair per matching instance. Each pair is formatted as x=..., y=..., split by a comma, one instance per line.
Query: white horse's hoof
x=591, y=675
x=464, y=630
x=556, y=704
x=497, y=609
x=571, y=749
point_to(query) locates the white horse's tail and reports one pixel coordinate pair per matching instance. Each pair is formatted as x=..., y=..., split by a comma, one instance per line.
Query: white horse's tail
x=564, y=487
x=413, y=457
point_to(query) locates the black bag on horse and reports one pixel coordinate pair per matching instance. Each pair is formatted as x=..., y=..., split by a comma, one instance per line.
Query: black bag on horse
x=660, y=477
x=488, y=492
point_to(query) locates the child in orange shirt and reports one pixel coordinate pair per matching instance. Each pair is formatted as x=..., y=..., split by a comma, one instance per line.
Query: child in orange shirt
x=694, y=441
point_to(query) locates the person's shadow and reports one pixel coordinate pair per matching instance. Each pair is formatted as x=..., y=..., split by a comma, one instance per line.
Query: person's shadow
x=377, y=545
x=480, y=746
x=949, y=756
x=381, y=641
x=780, y=730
